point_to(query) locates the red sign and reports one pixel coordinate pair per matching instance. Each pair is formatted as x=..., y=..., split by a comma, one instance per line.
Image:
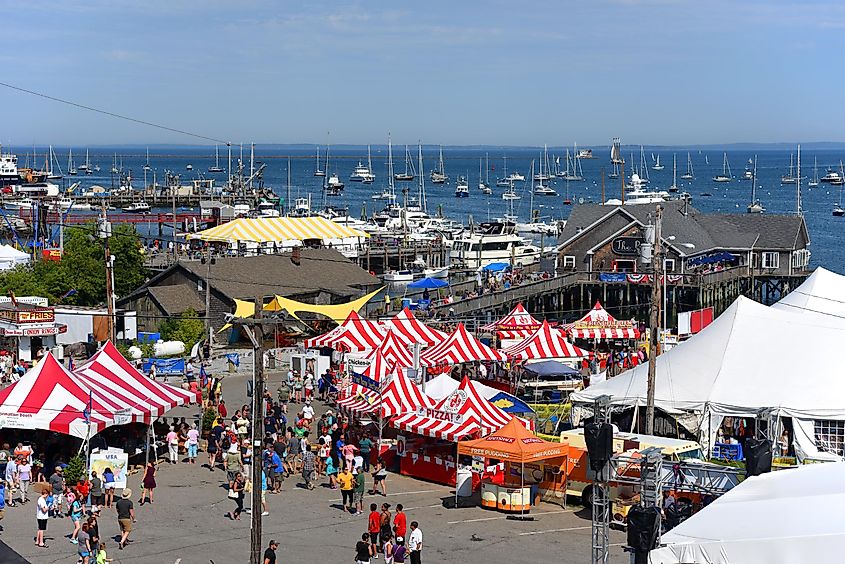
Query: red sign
x=51, y=254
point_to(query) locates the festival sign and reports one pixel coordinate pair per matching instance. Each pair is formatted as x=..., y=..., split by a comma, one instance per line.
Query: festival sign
x=115, y=459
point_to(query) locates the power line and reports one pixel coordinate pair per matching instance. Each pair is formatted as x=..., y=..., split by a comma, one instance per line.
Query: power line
x=112, y=114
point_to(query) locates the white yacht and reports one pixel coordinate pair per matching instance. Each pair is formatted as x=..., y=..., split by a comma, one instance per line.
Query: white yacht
x=515, y=177
x=832, y=177
x=301, y=207
x=267, y=209
x=363, y=173
x=493, y=242
x=137, y=207
x=543, y=190
x=462, y=188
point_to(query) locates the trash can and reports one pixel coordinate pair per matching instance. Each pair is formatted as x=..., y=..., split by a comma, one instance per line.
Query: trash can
x=464, y=482
x=406, y=303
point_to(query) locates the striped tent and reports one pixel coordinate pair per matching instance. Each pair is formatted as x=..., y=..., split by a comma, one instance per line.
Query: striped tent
x=599, y=324
x=393, y=350
x=411, y=330
x=459, y=347
x=463, y=413
x=518, y=324
x=545, y=342
x=358, y=400
x=277, y=229
x=125, y=389
x=402, y=396
x=355, y=334
x=362, y=395
x=49, y=397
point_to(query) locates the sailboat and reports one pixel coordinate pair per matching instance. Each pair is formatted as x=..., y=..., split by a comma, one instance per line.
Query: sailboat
x=71, y=169
x=409, y=173
x=573, y=170
x=815, y=181
x=755, y=206
x=216, y=169
x=688, y=175
x=53, y=161
x=147, y=166
x=482, y=185
x=789, y=178
x=317, y=170
x=657, y=165
x=114, y=169
x=616, y=157
x=674, y=186
x=438, y=175
x=726, y=171
x=838, y=211
x=643, y=171
x=541, y=175
x=84, y=166
x=505, y=182
x=388, y=194
x=88, y=168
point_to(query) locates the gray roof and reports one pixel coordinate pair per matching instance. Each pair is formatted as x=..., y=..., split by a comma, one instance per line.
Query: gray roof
x=319, y=270
x=691, y=227
x=177, y=299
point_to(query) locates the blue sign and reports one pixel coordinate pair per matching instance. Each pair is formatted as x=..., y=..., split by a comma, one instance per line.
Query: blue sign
x=362, y=380
x=166, y=366
x=613, y=277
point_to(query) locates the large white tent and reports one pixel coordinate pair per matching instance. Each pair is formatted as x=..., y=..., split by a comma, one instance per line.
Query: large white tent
x=751, y=357
x=786, y=516
x=10, y=257
x=823, y=292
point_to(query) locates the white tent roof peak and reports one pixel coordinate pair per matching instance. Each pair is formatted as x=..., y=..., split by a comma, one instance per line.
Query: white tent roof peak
x=750, y=357
x=823, y=292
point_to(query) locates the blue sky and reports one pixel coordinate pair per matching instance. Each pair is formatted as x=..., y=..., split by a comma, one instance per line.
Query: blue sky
x=458, y=72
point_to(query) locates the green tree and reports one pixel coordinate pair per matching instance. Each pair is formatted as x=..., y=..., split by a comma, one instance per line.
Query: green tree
x=188, y=328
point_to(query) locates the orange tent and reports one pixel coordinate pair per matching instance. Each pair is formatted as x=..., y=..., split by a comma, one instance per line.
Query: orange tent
x=513, y=443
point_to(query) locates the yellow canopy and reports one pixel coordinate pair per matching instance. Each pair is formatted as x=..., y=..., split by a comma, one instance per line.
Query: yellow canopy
x=335, y=312
x=269, y=229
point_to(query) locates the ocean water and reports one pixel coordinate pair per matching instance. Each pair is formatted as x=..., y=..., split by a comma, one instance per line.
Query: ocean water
x=730, y=197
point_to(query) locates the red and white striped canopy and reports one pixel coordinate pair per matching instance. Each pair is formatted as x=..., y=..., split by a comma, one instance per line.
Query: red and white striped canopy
x=50, y=397
x=125, y=389
x=380, y=366
x=461, y=414
x=546, y=342
x=394, y=351
x=518, y=324
x=355, y=334
x=459, y=347
x=411, y=330
x=358, y=400
x=599, y=324
x=398, y=397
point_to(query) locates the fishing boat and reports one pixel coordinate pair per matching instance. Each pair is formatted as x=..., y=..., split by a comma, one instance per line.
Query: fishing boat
x=438, y=175
x=755, y=206
x=657, y=165
x=137, y=207
x=789, y=178
x=688, y=175
x=147, y=166
x=462, y=188
x=409, y=173
x=674, y=186
x=441, y=273
x=815, y=181
x=71, y=169
x=725, y=176
x=833, y=176
x=216, y=169
x=317, y=170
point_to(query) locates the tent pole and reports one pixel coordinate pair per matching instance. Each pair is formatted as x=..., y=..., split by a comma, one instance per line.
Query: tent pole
x=522, y=491
x=457, y=455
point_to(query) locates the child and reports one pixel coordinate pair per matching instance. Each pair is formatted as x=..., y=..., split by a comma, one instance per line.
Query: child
x=101, y=554
x=331, y=472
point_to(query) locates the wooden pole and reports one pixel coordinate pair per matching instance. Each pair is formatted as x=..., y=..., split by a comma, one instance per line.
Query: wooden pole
x=255, y=556
x=657, y=270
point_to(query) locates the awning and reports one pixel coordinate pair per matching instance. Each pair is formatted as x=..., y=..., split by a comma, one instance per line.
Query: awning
x=599, y=324
x=430, y=283
x=545, y=342
x=354, y=334
x=411, y=330
x=394, y=351
x=459, y=347
x=518, y=324
x=277, y=229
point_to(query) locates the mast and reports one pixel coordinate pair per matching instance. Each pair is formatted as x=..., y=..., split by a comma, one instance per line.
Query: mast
x=390, y=183
x=251, y=163
x=674, y=170
x=487, y=169
x=423, y=202
x=369, y=162
x=798, y=180
x=531, y=210
x=754, y=183
x=288, y=194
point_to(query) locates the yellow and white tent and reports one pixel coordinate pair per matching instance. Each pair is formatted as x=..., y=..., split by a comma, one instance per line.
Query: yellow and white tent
x=277, y=229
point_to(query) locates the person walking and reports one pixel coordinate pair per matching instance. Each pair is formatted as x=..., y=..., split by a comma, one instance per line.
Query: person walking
x=362, y=550
x=309, y=461
x=42, y=514
x=364, y=447
x=24, y=476
x=77, y=509
x=246, y=459
x=108, y=479
x=125, y=516
x=233, y=462
x=346, y=481
x=215, y=441
x=193, y=443
x=236, y=493
x=270, y=553
x=385, y=522
x=83, y=542
x=57, y=485
x=172, y=440
x=379, y=477
x=148, y=483
x=358, y=490
x=415, y=543
x=373, y=529
x=10, y=477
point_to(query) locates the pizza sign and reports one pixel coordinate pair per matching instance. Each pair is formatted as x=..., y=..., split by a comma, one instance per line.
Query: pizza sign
x=456, y=401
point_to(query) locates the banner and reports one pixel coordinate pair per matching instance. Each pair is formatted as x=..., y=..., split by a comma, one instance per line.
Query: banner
x=115, y=459
x=166, y=366
x=612, y=277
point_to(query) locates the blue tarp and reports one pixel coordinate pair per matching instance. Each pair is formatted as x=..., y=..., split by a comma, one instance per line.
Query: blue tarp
x=148, y=337
x=711, y=258
x=496, y=267
x=552, y=370
x=430, y=283
x=166, y=366
x=510, y=404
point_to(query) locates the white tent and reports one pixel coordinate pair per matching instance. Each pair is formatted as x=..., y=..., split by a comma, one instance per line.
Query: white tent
x=751, y=357
x=443, y=385
x=823, y=292
x=785, y=516
x=10, y=257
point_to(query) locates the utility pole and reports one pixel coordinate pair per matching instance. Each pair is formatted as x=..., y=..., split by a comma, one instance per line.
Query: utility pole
x=255, y=556
x=104, y=232
x=208, y=262
x=654, y=322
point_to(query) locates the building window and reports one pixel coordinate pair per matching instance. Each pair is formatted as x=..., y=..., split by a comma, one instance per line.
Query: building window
x=569, y=262
x=829, y=435
x=771, y=260
x=800, y=258
x=669, y=265
x=624, y=265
